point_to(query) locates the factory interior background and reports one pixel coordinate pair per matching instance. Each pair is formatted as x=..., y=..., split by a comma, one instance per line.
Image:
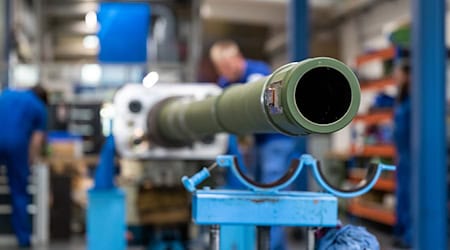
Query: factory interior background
x=84, y=195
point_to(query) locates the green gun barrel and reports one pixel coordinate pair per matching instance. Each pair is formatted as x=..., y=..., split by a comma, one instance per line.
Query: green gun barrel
x=318, y=95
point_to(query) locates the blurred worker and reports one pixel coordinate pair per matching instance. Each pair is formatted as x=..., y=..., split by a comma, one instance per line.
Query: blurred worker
x=24, y=120
x=402, y=117
x=273, y=151
x=234, y=68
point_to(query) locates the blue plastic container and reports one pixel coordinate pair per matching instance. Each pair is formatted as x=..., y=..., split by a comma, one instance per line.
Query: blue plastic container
x=106, y=223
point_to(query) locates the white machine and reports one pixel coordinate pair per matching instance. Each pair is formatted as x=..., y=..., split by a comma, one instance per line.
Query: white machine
x=133, y=104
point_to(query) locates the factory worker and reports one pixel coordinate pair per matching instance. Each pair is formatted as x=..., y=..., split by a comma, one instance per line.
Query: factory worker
x=233, y=68
x=273, y=151
x=23, y=122
x=402, y=129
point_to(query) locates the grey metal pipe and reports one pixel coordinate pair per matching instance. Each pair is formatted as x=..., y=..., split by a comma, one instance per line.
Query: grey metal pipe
x=263, y=238
x=214, y=237
x=165, y=44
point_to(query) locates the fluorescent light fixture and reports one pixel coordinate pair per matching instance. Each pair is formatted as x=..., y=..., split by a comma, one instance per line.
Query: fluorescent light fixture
x=107, y=111
x=150, y=79
x=25, y=75
x=91, y=42
x=91, y=74
x=91, y=20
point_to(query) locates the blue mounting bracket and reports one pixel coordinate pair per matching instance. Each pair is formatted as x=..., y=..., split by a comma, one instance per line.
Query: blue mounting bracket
x=242, y=207
x=266, y=204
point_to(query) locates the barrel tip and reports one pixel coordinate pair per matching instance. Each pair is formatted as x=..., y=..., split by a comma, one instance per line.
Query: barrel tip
x=322, y=95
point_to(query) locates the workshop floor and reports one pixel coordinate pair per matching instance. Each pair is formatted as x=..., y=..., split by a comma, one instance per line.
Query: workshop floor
x=296, y=242
x=74, y=244
x=382, y=233
x=79, y=244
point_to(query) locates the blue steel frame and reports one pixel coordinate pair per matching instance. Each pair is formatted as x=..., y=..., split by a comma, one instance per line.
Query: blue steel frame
x=243, y=207
x=429, y=180
x=298, y=35
x=298, y=49
x=227, y=161
x=269, y=205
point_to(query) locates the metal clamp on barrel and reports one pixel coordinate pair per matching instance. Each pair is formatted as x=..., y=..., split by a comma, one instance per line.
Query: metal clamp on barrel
x=294, y=170
x=363, y=187
x=292, y=173
x=230, y=161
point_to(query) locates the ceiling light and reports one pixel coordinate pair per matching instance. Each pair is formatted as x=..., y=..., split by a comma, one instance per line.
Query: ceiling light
x=91, y=42
x=150, y=79
x=91, y=20
x=91, y=74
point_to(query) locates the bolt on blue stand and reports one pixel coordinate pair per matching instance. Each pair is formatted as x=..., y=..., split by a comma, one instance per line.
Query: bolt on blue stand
x=265, y=205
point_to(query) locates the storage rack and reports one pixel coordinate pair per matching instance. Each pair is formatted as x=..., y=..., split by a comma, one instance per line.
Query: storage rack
x=361, y=207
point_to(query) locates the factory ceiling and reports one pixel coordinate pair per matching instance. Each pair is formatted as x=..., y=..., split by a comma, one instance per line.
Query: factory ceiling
x=64, y=24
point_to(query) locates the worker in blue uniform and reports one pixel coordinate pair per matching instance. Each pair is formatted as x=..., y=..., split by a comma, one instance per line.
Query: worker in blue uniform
x=402, y=130
x=234, y=68
x=273, y=151
x=23, y=122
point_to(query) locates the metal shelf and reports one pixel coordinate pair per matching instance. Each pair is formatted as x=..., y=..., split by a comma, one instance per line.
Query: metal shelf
x=385, y=150
x=372, y=212
x=7, y=209
x=384, y=54
x=4, y=189
x=383, y=184
x=376, y=117
x=378, y=85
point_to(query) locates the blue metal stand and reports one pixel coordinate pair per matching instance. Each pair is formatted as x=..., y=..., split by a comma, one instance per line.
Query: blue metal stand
x=298, y=35
x=429, y=169
x=298, y=49
x=239, y=207
x=266, y=204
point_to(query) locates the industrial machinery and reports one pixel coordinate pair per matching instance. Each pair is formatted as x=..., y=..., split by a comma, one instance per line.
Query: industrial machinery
x=135, y=127
x=191, y=121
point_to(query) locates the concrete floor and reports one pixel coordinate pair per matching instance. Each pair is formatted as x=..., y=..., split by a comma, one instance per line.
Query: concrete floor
x=74, y=244
x=382, y=233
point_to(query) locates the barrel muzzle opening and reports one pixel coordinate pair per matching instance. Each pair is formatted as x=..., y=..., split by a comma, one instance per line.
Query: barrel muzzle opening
x=323, y=95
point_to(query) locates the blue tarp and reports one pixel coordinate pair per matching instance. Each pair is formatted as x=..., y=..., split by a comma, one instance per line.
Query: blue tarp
x=123, y=33
x=348, y=237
